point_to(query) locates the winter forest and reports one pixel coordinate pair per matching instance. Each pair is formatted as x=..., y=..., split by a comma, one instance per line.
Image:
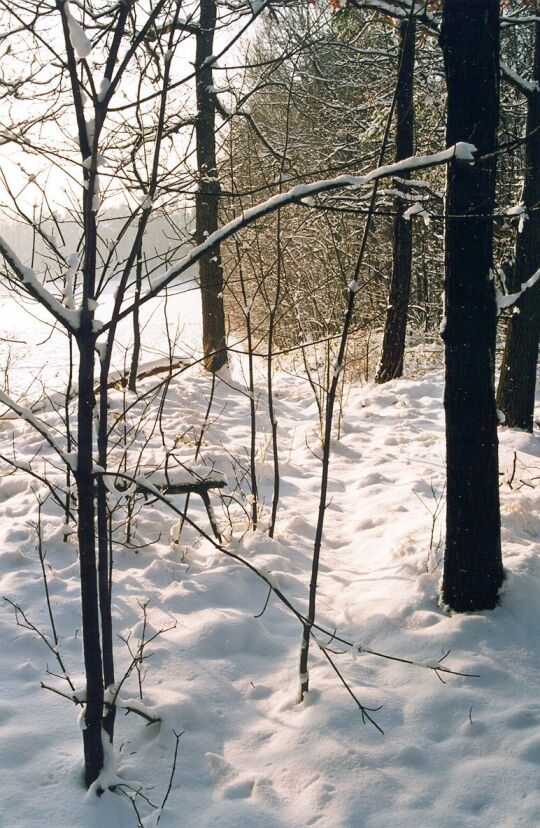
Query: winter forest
x=269, y=458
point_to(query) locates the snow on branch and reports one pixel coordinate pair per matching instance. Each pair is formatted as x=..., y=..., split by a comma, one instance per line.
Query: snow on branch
x=461, y=151
x=82, y=45
x=519, y=83
x=400, y=9
x=506, y=300
x=26, y=415
x=517, y=20
x=70, y=319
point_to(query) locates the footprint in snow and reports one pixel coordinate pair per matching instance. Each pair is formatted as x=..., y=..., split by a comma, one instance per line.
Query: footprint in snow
x=220, y=770
x=6, y=713
x=259, y=691
x=49, y=779
x=17, y=535
x=234, y=786
x=531, y=750
x=524, y=717
x=369, y=523
x=239, y=790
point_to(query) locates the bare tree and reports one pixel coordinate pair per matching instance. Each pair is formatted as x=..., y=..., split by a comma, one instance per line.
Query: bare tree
x=207, y=199
x=393, y=348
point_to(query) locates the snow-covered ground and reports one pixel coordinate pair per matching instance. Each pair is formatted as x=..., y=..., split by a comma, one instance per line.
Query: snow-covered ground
x=461, y=754
x=36, y=352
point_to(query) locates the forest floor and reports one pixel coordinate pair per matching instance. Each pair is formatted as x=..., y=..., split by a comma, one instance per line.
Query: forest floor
x=461, y=754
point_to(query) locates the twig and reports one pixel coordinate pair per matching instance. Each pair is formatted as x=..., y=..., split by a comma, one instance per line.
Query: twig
x=173, y=771
x=365, y=711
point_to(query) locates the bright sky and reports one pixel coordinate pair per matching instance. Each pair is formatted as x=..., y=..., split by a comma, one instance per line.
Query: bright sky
x=57, y=176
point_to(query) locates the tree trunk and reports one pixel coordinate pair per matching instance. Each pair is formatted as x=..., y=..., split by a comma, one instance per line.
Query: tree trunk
x=85, y=479
x=473, y=570
x=391, y=362
x=92, y=733
x=136, y=353
x=517, y=382
x=207, y=198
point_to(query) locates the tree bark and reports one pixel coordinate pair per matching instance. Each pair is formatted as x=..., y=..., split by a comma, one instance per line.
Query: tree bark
x=207, y=197
x=136, y=353
x=517, y=382
x=391, y=362
x=473, y=570
x=92, y=733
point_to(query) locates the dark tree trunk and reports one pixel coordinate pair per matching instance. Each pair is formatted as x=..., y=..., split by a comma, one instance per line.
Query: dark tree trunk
x=391, y=362
x=105, y=572
x=207, y=198
x=92, y=610
x=92, y=734
x=517, y=382
x=473, y=570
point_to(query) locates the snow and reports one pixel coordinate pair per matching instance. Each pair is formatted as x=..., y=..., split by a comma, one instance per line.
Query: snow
x=526, y=86
x=257, y=5
x=104, y=87
x=521, y=211
x=417, y=210
x=73, y=263
x=506, y=300
x=181, y=311
x=465, y=753
x=80, y=42
x=96, y=195
x=90, y=129
x=37, y=425
x=99, y=161
x=465, y=152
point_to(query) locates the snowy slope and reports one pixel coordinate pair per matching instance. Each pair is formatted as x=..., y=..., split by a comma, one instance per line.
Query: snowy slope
x=465, y=753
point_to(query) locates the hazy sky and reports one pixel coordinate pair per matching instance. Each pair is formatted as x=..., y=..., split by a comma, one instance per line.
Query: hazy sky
x=61, y=179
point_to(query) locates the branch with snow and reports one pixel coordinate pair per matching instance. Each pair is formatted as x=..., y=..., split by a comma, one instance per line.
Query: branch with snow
x=401, y=9
x=521, y=211
x=26, y=415
x=69, y=319
x=82, y=45
x=506, y=300
x=461, y=151
x=524, y=86
x=56, y=492
x=417, y=210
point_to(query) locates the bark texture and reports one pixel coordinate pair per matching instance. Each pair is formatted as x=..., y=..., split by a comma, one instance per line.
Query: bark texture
x=517, y=383
x=207, y=198
x=393, y=349
x=473, y=570
x=92, y=733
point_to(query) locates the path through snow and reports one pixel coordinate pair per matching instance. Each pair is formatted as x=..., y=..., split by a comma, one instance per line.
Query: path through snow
x=461, y=754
